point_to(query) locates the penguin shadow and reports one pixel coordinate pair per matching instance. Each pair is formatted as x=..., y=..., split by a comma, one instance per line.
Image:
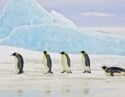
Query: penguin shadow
x=5, y=71
x=48, y=92
x=19, y=93
x=86, y=91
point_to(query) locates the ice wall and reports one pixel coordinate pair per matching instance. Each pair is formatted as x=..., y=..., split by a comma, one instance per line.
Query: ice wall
x=55, y=38
x=26, y=24
x=22, y=12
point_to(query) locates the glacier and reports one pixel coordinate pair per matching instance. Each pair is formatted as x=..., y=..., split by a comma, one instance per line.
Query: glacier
x=22, y=12
x=25, y=24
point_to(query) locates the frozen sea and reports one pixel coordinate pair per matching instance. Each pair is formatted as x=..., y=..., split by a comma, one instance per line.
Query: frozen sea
x=33, y=83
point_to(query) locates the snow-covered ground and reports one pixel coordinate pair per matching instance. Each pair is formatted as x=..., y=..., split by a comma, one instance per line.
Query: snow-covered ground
x=33, y=83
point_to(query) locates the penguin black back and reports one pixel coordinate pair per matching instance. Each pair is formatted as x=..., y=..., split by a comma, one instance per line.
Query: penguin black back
x=68, y=59
x=49, y=62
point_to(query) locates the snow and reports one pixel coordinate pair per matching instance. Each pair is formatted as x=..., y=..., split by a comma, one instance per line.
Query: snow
x=34, y=83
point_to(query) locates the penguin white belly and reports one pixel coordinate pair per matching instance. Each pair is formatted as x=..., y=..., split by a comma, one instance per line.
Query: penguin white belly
x=16, y=65
x=45, y=63
x=64, y=63
x=116, y=74
x=120, y=74
x=83, y=63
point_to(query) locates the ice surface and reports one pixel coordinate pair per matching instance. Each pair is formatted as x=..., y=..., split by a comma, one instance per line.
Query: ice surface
x=33, y=83
x=27, y=25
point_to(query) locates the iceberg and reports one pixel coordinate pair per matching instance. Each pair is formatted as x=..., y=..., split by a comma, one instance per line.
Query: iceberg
x=25, y=24
x=61, y=19
x=58, y=38
x=22, y=12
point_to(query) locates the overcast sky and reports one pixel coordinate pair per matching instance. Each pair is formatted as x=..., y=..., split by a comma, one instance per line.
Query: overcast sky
x=87, y=12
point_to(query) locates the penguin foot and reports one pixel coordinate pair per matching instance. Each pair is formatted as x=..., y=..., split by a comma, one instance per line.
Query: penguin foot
x=20, y=72
x=88, y=71
x=63, y=72
x=50, y=72
x=84, y=71
x=70, y=72
x=46, y=73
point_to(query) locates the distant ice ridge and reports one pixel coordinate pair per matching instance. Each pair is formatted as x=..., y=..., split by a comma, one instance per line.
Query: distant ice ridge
x=26, y=24
x=58, y=38
x=61, y=19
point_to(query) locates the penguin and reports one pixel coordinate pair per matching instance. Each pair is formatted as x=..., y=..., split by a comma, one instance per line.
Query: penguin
x=47, y=63
x=65, y=61
x=85, y=62
x=19, y=62
x=112, y=71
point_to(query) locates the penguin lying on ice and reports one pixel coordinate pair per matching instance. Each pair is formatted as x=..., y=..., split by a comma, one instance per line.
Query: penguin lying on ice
x=112, y=71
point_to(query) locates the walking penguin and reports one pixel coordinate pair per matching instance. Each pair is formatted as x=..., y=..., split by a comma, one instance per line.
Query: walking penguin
x=85, y=62
x=47, y=63
x=65, y=61
x=19, y=62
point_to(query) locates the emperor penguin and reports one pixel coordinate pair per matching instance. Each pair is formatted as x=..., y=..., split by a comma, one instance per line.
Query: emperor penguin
x=47, y=63
x=112, y=71
x=85, y=62
x=19, y=62
x=65, y=61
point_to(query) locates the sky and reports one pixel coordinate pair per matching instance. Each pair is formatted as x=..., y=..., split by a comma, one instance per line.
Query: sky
x=87, y=13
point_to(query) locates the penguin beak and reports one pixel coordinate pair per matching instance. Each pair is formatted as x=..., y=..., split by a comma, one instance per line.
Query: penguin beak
x=11, y=55
x=81, y=51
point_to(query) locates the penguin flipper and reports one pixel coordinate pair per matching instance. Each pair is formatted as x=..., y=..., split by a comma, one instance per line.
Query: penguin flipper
x=49, y=62
x=111, y=74
x=68, y=60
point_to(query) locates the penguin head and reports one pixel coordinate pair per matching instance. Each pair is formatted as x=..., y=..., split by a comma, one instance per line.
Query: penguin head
x=104, y=67
x=62, y=52
x=83, y=52
x=45, y=52
x=14, y=54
